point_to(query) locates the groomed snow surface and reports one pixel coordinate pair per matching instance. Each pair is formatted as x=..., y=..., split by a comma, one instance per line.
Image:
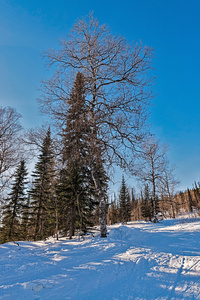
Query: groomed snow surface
x=138, y=260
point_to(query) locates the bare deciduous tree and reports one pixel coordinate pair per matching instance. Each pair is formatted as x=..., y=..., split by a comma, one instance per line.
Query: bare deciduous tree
x=168, y=184
x=117, y=86
x=150, y=168
x=9, y=143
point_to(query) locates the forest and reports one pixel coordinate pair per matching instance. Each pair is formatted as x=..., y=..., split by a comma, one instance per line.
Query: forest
x=96, y=101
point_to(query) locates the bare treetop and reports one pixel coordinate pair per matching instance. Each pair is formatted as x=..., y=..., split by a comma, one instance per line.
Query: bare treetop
x=10, y=148
x=93, y=50
x=118, y=84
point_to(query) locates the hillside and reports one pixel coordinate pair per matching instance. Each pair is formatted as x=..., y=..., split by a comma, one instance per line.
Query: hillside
x=137, y=261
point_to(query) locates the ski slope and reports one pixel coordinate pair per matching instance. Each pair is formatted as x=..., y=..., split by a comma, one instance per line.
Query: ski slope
x=137, y=261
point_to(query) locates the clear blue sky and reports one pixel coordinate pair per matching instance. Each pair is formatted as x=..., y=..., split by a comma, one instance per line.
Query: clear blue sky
x=171, y=27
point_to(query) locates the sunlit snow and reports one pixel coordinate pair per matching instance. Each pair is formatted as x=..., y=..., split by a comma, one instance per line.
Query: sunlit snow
x=137, y=261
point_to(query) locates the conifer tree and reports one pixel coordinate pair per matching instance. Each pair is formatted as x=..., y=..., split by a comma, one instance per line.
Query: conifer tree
x=42, y=191
x=74, y=199
x=81, y=160
x=182, y=196
x=25, y=218
x=76, y=132
x=190, y=201
x=128, y=206
x=114, y=211
x=15, y=203
x=146, y=207
x=124, y=203
x=133, y=200
x=197, y=194
x=134, y=204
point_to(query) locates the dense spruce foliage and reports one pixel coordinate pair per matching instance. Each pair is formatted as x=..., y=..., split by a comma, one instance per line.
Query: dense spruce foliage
x=147, y=204
x=76, y=189
x=124, y=203
x=42, y=191
x=15, y=206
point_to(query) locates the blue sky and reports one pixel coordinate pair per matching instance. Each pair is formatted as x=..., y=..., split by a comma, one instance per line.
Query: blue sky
x=171, y=27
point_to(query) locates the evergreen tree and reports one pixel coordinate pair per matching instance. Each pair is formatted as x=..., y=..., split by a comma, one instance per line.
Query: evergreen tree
x=190, y=201
x=133, y=200
x=42, y=191
x=197, y=194
x=128, y=206
x=77, y=130
x=182, y=196
x=15, y=203
x=81, y=161
x=75, y=200
x=124, y=203
x=146, y=206
x=25, y=218
x=134, y=205
x=114, y=211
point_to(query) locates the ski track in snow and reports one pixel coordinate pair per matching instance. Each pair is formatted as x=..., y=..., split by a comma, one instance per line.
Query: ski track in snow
x=137, y=261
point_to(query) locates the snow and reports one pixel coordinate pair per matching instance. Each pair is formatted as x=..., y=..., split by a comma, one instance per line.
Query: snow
x=137, y=261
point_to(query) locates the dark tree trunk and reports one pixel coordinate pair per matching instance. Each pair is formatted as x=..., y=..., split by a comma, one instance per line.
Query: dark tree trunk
x=103, y=218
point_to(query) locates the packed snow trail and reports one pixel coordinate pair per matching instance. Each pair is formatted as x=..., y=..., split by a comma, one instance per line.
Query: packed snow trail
x=137, y=261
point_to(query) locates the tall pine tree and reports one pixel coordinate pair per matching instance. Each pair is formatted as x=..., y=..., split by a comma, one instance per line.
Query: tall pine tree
x=124, y=203
x=42, y=192
x=146, y=206
x=14, y=206
x=77, y=181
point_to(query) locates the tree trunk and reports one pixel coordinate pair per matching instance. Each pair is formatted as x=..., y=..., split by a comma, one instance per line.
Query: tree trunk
x=102, y=216
x=71, y=231
x=37, y=221
x=154, y=202
x=172, y=207
x=56, y=219
x=102, y=208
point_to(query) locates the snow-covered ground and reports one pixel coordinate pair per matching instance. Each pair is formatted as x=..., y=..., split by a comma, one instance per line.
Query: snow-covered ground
x=137, y=261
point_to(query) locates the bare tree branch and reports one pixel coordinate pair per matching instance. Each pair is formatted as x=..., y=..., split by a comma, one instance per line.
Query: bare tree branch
x=118, y=85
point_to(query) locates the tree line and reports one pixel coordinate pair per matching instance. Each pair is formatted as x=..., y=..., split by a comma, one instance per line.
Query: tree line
x=131, y=206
